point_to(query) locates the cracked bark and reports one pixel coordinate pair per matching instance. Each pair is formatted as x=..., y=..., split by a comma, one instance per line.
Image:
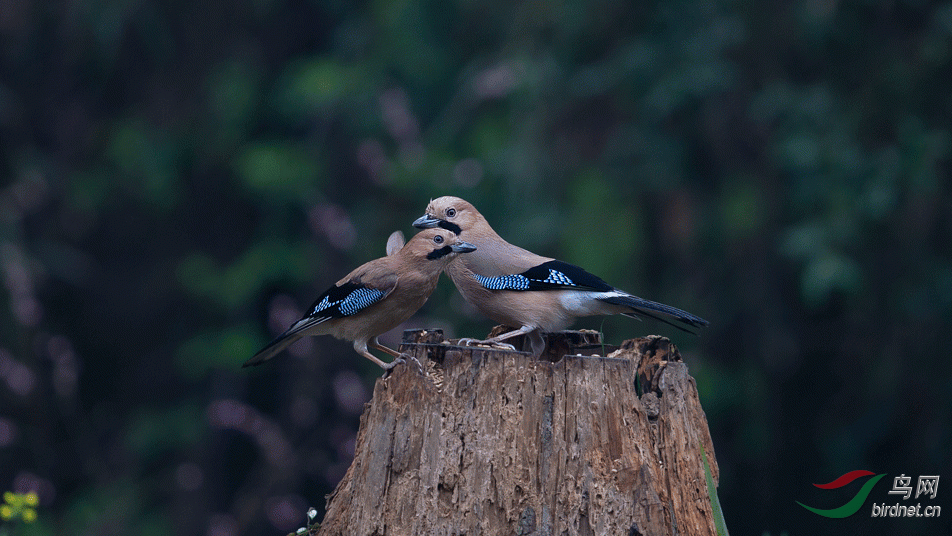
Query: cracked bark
x=489, y=441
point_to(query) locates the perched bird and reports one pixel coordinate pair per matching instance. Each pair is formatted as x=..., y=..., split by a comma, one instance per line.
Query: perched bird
x=518, y=288
x=377, y=296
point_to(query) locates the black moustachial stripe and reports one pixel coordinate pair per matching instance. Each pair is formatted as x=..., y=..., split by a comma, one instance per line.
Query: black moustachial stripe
x=437, y=253
x=452, y=227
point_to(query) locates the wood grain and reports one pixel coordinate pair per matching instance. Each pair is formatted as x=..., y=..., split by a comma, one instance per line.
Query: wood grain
x=490, y=441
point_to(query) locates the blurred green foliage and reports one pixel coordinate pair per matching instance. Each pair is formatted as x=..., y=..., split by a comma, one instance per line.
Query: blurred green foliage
x=179, y=180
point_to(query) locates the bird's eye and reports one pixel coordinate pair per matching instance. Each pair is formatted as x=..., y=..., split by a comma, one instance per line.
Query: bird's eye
x=438, y=239
x=450, y=212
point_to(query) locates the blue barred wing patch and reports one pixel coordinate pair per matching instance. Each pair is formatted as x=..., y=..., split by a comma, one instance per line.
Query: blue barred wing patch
x=503, y=282
x=345, y=300
x=551, y=275
x=321, y=306
x=558, y=278
x=358, y=299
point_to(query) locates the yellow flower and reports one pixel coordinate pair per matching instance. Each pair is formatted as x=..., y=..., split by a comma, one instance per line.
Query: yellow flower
x=19, y=506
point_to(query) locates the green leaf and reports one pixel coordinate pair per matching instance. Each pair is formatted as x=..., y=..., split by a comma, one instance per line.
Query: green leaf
x=278, y=169
x=234, y=285
x=600, y=219
x=152, y=433
x=147, y=159
x=223, y=349
x=829, y=273
x=719, y=524
x=308, y=85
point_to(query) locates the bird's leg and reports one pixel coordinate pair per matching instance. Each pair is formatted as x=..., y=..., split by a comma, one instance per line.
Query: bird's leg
x=397, y=356
x=466, y=341
x=497, y=341
x=536, y=342
x=361, y=348
x=375, y=359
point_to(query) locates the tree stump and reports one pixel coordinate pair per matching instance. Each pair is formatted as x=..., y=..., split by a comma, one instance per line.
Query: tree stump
x=491, y=441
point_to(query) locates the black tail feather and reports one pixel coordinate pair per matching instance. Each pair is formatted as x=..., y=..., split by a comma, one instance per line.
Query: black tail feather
x=659, y=319
x=285, y=339
x=647, y=308
x=272, y=349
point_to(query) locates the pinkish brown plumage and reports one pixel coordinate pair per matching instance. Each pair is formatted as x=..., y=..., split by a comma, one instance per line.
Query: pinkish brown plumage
x=376, y=297
x=520, y=289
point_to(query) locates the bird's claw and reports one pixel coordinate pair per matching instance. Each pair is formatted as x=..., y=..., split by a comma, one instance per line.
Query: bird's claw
x=402, y=360
x=469, y=342
x=415, y=360
x=388, y=367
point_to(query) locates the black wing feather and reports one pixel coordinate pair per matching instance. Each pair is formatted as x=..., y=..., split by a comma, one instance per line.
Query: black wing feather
x=550, y=275
x=558, y=275
x=336, y=302
x=345, y=300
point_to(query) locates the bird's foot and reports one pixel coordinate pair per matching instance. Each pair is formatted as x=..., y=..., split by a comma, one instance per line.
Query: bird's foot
x=388, y=367
x=402, y=360
x=408, y=357
x=489, y=342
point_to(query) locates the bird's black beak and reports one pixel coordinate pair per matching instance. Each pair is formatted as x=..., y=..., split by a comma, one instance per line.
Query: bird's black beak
x=462, y=247
x=429, y=222
x=426, y=222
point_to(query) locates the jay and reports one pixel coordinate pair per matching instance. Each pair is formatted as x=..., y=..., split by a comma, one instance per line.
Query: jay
x=518, y=288
x=377, y=296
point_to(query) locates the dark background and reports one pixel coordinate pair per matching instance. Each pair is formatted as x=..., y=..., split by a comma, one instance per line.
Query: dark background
x=179, y=179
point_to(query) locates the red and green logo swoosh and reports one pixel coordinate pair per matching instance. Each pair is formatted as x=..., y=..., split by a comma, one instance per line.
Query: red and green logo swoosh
x=855, y=503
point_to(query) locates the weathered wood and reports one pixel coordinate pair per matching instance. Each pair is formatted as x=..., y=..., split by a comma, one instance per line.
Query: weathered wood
x=489, y=441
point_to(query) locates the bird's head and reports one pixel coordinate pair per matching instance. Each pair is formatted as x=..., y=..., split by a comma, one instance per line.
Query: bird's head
x=436, y=245
x=450, y=213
